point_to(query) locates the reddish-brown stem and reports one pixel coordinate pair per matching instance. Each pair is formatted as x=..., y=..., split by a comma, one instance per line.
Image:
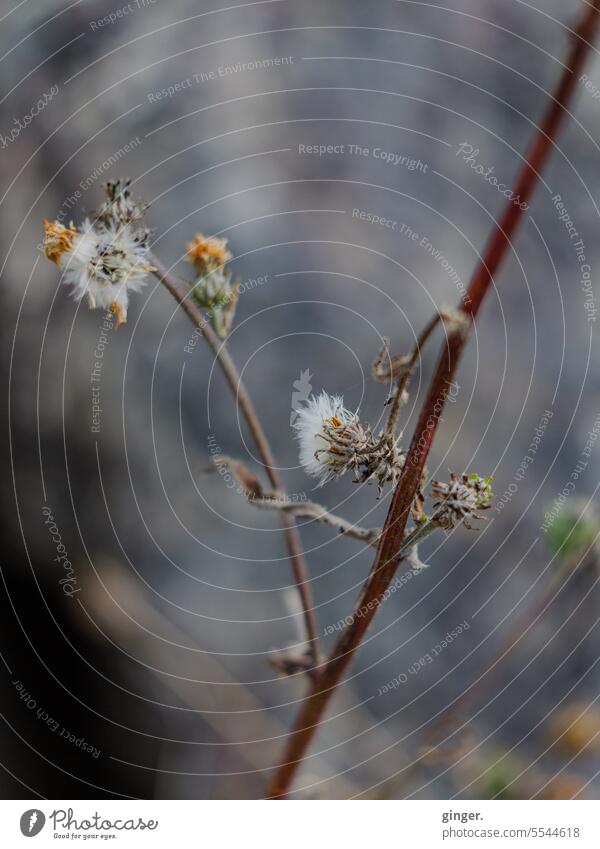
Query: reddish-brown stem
x=244, y=402
x=386, y=559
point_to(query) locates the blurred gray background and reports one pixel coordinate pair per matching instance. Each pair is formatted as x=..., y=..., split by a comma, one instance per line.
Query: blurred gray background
x=183, y=590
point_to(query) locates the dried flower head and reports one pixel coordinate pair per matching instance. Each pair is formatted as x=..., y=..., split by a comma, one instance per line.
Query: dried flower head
x=213, y=289
x=107, y=259
x=121, y=210
x=207, y=253
x=333, y=440
x=58, y=239
x=460, y=500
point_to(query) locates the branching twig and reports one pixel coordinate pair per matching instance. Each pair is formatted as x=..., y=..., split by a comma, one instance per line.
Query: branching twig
x=388, y=553
x=302, y=509
x=401, y=366
x=292, y=537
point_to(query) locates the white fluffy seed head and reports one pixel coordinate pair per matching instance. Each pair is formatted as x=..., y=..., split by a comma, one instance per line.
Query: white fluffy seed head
x=333, y=441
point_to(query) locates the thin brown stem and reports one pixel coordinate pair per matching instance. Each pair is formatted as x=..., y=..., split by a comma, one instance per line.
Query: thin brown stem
x=400, y=371
x=244, y=402
x=275, y=500
x=387, y=557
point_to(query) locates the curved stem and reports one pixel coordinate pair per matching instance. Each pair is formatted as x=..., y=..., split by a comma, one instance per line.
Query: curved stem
x=387, y=557
x=408, y=367
x=244, y=402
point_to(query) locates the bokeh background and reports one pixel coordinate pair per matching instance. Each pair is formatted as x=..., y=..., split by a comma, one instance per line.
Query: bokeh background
x=152, y=678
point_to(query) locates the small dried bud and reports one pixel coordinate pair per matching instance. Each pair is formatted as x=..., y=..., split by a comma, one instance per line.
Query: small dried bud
x=58, y=240
x=333, y=441
x=213, y=289
x=460, y=499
